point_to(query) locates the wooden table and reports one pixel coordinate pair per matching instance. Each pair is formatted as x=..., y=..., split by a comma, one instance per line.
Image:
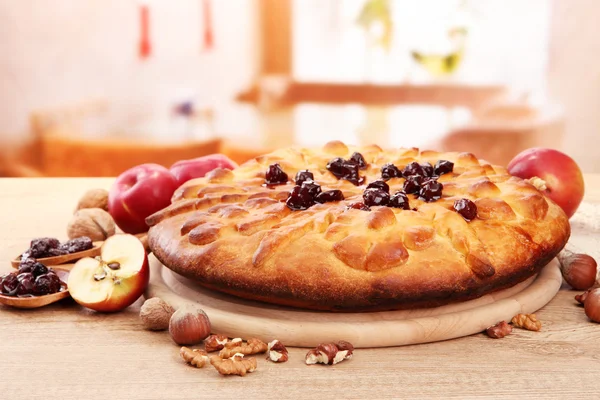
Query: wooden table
x=65, y=352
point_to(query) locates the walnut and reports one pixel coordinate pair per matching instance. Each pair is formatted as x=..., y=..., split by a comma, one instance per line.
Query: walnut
x=155, y=314
x=277, y=352
x=197, y=358
x=499, y=330
x=215, y=343
x=330, y=353
x=236, y=365
x=252, y=346
x=95, y=198
x=94, y=223
x=527, y=321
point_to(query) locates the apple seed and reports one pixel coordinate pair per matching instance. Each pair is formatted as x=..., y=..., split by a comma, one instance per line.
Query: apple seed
x=100, y=276
x=114, y=266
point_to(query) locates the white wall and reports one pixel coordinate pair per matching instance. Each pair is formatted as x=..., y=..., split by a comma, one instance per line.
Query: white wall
x=574, y=76
x=62, y=51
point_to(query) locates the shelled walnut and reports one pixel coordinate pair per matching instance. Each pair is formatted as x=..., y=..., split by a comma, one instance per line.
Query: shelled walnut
x=277, y=352
x=330, y=353
x=215, y=343
x=235, y=365
x=197, y=358
x=527, y=321
x=252, y=346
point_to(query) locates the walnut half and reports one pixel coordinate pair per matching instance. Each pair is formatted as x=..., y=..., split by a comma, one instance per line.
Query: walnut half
x=277, y=352
x=197, y=358
x=214, y=343
x=235, y=365
x=252, y=346
x=527, y=321
x=330, y=353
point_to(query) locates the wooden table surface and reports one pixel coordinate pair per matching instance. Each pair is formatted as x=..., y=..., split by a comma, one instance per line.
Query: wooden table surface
x=66, y=352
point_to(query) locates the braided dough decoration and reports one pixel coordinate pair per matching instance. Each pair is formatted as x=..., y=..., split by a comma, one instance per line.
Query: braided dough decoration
x=231, y=233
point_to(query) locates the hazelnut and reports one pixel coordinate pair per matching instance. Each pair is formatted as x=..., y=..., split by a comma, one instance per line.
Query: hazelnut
x=95, y=198
x=189, y=325
x=581, y=297
x=592, y=305
x=155, y=314
x=94, y=223
x=578, y=270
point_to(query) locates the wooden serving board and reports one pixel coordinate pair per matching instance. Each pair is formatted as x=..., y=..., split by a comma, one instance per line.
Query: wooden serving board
x=237, y=317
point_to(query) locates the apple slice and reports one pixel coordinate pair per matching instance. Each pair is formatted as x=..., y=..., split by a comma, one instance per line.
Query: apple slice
x=115, y=279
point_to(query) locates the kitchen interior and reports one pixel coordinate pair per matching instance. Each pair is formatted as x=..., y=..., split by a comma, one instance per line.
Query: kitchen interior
x=93, y=88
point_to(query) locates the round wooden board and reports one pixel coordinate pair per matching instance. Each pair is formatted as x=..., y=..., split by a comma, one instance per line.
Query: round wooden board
x=237, y=317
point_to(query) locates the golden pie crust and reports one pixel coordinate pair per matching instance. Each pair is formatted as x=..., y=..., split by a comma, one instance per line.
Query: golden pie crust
x=231, y=233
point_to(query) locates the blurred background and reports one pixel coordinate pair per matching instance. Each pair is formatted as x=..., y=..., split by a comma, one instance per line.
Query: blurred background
x=91, y=88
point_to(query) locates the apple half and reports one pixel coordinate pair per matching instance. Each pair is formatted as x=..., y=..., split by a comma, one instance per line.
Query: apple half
x=115, y=279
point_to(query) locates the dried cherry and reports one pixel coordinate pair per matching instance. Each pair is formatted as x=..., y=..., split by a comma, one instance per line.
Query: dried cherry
x=427, y=169
x=389, y=171
x=379, y=184
x=275, y=175
x=359, y=160
x=313, y=188
x=466, y=208
x=39, y=269
x=304, y=175
x=412, y=184
x=78, y=244
x=344, y=169
x=375, y=197
x=443, y=167
x=399, y=200
x=40, y=247
x=10, y=284
x=300, y=198
x=431, y=190
x=414, y=168
x=329, y=195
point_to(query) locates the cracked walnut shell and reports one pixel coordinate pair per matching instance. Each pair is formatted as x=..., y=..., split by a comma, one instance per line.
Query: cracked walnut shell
x=94, y=223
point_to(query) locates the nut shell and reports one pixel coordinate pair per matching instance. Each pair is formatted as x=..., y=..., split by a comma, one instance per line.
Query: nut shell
x=94, y=223
x=578, y=270
x=94, y=198
x=189, y=325
x=155, y=314
x=592, y=305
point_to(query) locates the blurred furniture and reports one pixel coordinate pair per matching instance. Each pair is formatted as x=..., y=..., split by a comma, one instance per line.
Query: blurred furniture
x=62, y=148
x=498, y=132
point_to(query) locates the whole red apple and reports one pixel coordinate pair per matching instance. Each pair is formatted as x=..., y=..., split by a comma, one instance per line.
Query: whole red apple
x=139, y=192
x=186, y=170
x=114, y=280
x=561, y=174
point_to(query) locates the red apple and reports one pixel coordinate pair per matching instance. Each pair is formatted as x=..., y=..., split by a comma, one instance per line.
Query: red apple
x=139, y=192
x=561, y=174
x=114, y=280
x=185, y=170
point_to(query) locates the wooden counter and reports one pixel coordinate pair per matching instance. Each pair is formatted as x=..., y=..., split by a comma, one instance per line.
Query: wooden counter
x=65, y=352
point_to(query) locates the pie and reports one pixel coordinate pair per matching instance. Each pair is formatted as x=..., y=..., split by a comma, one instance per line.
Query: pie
x=356, y=229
